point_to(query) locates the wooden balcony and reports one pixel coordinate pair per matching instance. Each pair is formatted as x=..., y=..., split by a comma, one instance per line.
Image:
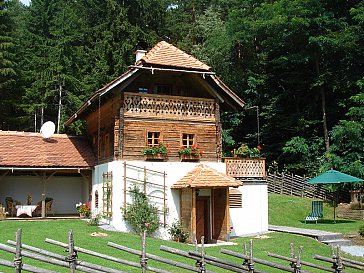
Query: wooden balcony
x=246, y=168
x=169, y=107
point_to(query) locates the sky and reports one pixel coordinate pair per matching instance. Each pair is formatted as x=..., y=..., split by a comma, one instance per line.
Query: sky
x=26, y=2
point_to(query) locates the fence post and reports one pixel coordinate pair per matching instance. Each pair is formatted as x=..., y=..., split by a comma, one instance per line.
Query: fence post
x=72, y=254
x=296, y=261
x=201, y=263
x=337, y=260
x=250, y=262
x=18, y=264
x=143, y=258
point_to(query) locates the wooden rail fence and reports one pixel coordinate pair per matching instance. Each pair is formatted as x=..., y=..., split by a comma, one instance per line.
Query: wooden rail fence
x=295, y=185
x=248, y=262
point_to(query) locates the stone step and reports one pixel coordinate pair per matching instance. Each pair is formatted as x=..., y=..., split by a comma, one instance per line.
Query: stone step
x=340, y=242
x=328, y=237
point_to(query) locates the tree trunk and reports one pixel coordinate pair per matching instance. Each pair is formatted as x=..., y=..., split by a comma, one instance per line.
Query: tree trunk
x=323, y=104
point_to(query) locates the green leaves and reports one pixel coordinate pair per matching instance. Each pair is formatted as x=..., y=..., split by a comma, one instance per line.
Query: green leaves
x=140, y=214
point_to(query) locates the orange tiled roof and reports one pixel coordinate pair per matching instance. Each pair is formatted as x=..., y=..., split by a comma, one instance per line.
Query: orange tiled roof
x=24, y=149
x=166, y=54
x=203, y=176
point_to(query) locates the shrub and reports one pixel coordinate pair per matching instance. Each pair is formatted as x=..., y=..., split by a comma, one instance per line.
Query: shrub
x=95, y=220
x=140, y=214
x=177, y=232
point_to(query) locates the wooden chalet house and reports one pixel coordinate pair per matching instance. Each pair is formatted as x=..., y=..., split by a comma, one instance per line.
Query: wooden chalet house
x=171, y=97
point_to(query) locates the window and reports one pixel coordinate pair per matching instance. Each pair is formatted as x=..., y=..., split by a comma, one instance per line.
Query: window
x=152, y=138
x=107, y=194
x=96, y=199
x=143, y=90
x=188, y=140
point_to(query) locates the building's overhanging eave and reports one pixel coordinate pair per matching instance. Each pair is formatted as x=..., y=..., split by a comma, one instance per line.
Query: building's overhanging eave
x=14, y=168
x=100, y=93
x=228, y=91
x=152, y=69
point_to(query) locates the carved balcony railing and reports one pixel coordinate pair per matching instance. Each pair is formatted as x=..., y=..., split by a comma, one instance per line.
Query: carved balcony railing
x=245, y=167
x=168, y=107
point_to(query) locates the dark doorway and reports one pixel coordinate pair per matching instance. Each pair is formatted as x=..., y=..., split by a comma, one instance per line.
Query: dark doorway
x=202, y=218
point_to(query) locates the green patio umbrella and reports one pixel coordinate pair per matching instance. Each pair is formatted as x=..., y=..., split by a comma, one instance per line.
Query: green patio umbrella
x=333, y=177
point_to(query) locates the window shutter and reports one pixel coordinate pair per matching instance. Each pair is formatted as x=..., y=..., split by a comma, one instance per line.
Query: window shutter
x=235, y=199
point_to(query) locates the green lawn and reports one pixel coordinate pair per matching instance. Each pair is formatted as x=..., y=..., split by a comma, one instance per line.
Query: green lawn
x=286, y=210
x=291, y=211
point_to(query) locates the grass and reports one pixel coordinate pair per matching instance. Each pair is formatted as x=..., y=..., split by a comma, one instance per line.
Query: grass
x=291, y=211
x=284, y=210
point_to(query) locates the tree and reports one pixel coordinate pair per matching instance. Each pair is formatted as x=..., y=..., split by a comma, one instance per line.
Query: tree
x=346, y=153
x=288, y=48
x=8, y=74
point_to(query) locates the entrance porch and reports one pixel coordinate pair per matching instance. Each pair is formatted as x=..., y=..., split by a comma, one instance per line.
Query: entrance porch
x=204, y=203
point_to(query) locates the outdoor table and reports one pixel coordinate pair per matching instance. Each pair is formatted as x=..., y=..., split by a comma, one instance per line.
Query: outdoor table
x=25, y=209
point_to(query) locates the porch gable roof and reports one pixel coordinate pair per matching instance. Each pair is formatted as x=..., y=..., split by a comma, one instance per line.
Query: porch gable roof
x=203, y=176
x=31, y=150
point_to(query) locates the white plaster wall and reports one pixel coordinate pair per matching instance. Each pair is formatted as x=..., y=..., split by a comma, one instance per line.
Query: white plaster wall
x=252, y=218
x=255, y=204
x=65, y=191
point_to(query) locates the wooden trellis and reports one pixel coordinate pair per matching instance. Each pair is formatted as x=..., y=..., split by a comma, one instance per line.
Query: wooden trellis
x=145, y=183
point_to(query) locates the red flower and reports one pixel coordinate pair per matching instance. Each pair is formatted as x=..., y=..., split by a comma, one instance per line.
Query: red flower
x=169, y=150
x=258, y=147
x=201, y=152
x=167, y=145
x=193, y=146
x=159, y=140
x=182, y=147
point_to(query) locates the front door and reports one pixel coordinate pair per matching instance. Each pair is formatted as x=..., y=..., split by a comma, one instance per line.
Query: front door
x=202, y=218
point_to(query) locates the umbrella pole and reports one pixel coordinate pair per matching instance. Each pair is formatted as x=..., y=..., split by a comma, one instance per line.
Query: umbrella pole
x=336, y=197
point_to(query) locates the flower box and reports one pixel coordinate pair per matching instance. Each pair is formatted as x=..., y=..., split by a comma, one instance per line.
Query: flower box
x=190, y=158
x=156, y=157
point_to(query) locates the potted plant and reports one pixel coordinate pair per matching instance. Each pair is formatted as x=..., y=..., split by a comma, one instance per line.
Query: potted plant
x=83, y=209
x=192, y=153
x=245, y=152
x=156, y=152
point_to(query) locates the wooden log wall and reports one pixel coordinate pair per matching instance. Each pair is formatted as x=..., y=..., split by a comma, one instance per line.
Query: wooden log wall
x=295, y=185
x=135, y=134
x=102, y=123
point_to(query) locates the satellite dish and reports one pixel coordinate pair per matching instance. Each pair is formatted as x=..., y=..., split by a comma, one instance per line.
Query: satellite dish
x=47, y=129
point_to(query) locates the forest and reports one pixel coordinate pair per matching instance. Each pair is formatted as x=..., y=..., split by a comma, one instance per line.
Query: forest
x=298, y=64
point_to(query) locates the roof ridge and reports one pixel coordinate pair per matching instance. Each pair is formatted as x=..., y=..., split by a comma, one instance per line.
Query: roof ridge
x=171, y=55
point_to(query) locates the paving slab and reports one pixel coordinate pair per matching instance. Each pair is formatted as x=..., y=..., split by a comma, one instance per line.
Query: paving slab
x=302, y=231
